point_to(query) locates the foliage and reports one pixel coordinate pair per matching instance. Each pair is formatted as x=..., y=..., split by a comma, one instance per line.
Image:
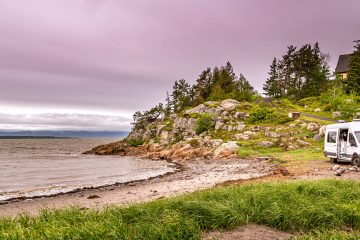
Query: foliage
x=354, y=70
x=261, y=115
x=135, y=142
x=141, y=119
x=300, y=73
x=321, y=208
x=204, y=122
x=194, y=143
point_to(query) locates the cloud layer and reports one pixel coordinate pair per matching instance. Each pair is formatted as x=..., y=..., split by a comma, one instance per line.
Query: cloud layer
x=90, y=122
x=109, y=55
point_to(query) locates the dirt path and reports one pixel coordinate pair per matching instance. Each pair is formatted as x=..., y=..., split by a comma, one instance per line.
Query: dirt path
x=248, y=232
x=196, y=176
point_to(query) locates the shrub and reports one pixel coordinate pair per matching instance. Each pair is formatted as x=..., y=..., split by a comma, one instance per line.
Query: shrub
x=282, y=119
x=204, y=122
x=258, y=115
x=134, y=142
x=194, y=143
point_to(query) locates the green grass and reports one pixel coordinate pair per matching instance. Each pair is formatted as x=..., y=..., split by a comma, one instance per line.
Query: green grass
x=320, y=208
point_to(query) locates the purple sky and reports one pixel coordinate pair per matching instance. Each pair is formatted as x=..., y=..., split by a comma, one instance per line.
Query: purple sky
x=109, y=58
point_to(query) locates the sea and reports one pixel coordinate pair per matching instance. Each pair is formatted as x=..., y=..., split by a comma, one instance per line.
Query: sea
x=44, y=167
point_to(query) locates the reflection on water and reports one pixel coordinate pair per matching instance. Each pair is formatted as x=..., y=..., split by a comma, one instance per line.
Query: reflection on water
x=33, y=167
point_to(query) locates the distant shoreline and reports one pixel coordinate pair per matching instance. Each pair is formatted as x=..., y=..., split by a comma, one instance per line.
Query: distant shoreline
x=34, y=137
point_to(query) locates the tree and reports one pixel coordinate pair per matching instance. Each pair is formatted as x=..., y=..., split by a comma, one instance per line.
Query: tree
x=271, y=86
x=300, y=73
x=354, y=69
x=181, y=95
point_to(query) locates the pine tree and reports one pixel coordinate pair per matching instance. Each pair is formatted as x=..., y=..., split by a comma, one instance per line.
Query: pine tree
x=271, y=87
x=354, y=70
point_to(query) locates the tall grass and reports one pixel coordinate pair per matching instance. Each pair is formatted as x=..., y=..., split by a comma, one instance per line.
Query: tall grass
x=304, y=206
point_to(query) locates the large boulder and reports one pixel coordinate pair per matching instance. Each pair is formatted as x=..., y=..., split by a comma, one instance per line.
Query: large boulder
x=240, y=136
x=219, y=125
x=272, y=134
x=229, y=104
x=322, y=131
x=198, y=109
x=226, y=150
x=312, y=127
x=265, y=144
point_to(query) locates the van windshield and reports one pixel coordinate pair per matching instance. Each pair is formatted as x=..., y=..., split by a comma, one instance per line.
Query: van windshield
x=357, y=134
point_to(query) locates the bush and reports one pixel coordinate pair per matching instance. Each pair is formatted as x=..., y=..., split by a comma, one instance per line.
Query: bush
x=194, y=143
x=282, y=119
x=259, y=115
x=134, y=142
x=204, y=122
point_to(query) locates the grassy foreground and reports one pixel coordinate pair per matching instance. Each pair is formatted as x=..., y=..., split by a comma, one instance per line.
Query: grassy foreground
x=322, y=209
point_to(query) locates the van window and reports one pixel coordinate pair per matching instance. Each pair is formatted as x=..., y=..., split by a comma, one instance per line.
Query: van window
x=331, y=137
x=352, y=140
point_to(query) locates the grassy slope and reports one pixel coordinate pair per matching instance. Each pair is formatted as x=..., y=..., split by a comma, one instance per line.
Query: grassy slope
x=322, y=208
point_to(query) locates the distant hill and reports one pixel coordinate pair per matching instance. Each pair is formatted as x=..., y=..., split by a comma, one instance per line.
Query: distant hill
x=63, y=134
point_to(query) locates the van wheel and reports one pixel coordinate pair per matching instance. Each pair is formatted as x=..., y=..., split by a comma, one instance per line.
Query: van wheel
x=355, y=161
x=333, y=160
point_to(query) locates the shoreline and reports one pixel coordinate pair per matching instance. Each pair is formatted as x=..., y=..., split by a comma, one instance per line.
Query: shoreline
x=191, y=176
x=177, y=166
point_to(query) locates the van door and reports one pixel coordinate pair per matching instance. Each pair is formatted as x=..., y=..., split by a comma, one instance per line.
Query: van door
x=343, y=142
x=351, y=146
x=331, y=148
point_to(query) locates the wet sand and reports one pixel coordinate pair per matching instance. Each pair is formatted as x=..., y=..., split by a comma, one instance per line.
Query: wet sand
x=196, y=175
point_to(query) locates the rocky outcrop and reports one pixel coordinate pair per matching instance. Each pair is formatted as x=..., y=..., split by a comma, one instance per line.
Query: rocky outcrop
x=175, y=137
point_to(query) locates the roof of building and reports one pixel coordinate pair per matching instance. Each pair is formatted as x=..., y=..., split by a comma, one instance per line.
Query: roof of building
x=343, y=63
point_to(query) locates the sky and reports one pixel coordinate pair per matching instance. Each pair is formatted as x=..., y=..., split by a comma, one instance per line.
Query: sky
x=89, y=64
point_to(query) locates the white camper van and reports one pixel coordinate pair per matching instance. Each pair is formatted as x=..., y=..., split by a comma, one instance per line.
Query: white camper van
x=342, y=142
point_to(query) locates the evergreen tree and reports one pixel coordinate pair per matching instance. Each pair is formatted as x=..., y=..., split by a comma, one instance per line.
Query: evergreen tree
x=271, y=86
x=181, y=95
x=354, y=70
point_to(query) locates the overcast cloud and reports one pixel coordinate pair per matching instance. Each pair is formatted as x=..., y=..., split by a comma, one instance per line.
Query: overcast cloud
x=121, y=56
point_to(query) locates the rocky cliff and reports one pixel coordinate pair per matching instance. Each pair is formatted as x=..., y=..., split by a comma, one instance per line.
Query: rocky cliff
x=212, y=130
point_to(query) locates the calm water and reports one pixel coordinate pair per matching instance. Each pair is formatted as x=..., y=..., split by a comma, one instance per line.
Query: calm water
x=34, y=167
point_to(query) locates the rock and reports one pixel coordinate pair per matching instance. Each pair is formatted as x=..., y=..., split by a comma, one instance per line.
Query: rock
x=256, y=128
x=336, y=114
x=226, y=149
x=292, y=125
x=240, y=136
x=294, y=115
x=219, y=125
x=312, y=127
x=348, y=100
x=335, y=167
x=239, y=115
x=229, y=104
x=216, y=142
x=151, y=141
x=240, y=127
x=340, y=171
x=354, y=169
x=357, y=115
x=317, y=110
x=93, y=197
x=230, y=128
x=198, y=109
x=317, y=137
x=303, y=143
x=322, y=131
x=303, y=125
x=180, y=122
x=159, y=128
x=249, y=133
x=272, y=134
x=265, y=144
x=225, y=113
